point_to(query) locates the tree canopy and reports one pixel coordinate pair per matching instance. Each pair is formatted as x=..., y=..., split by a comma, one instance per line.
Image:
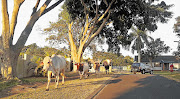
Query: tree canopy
x=116, y=60
x=177, y=31
x=86, y=20
x=177, y=26
x=38, y=53
x=155, y=48
x=122, y=14
x=139, y=39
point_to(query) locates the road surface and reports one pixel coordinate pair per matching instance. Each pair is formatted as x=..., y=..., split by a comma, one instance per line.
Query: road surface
x=138, y=86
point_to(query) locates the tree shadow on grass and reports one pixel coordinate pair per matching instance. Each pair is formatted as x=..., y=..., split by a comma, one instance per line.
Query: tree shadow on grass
x=32, y=86
x=109, y=81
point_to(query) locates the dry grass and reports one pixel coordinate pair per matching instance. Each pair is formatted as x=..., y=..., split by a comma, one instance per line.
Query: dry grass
x=72, y=89
x=175, y=75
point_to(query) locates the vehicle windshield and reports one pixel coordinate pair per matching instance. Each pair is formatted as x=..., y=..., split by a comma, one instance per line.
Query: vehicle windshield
x=136, y=64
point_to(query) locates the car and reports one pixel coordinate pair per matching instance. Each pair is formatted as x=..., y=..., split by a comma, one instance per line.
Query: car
x=141, y=67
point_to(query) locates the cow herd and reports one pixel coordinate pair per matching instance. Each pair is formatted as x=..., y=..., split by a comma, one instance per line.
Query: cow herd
x=56, y=65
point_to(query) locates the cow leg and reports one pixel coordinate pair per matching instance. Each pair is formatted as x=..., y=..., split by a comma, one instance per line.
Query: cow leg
x=63, y=75
x=85, y=74
x=49, y=79
x=80, y=74
x=57, y=80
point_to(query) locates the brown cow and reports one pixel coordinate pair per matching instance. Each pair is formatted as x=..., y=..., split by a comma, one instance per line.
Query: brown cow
x=107, y=63
x=83, y=68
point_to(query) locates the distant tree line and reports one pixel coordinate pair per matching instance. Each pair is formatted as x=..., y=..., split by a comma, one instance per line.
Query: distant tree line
x=38, y=53
x=117, y=60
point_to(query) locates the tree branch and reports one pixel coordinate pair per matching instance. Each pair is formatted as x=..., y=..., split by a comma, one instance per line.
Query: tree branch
x=52, y=7
x=98, y=31
x=26, y=32
x=35, y=7
x=107, y=10
x=17, y=4
x=85, y=6
x=5, y=24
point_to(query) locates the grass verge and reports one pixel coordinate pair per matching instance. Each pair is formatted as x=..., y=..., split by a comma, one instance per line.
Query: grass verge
x=16, y=81
x=7, y=84
x=174, y=74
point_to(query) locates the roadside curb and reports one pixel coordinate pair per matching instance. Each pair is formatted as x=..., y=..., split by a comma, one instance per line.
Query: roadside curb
x=98, y=90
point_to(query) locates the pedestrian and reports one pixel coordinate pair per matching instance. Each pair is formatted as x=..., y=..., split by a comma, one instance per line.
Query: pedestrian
x=171, y=68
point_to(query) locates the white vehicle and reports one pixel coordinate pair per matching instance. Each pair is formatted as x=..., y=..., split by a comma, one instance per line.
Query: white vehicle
x=140, y=67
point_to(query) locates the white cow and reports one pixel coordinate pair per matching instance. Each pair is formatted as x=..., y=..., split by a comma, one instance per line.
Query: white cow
x=83, y=69
x=54, y=64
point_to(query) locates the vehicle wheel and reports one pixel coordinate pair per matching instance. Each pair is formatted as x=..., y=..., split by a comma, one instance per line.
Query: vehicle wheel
x=151, y=72
x=143, y=71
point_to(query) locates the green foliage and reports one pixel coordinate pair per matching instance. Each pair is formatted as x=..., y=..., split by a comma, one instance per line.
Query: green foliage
x=143, y=14
x=116, y=60
x=155, y=48
x=140, y=38
x=177, y=26
x=33, y=80
x=14, y=82
x=39, y=53
x=7, y=84
x=168, y=74
x=177, y=31
x=177, y=53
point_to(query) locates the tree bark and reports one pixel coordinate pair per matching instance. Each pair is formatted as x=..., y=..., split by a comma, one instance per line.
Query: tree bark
x=9, y=53
x=150, y=60
x=139, y=56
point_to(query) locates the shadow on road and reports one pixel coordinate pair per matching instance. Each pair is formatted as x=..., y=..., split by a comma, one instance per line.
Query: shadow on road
x=152, y=87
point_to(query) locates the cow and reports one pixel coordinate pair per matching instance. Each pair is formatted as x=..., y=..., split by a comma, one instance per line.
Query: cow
x=54, y=64
x=107, y=63
x=83, y=69
x=96, y=66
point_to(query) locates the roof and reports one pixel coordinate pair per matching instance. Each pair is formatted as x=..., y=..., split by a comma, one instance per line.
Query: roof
x=162, y=59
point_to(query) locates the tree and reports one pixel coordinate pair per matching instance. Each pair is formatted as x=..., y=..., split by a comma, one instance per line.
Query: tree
x=10, y=52
x=177, y=26
x=129, y=60
x=39, y=53
x=139, y=38
x=117, y=60
x=177, y=31
x=93, y=18
x=155, y=48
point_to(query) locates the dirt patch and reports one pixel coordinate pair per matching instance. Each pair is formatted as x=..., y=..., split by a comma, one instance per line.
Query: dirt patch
x=73, y=88
x=21, y=89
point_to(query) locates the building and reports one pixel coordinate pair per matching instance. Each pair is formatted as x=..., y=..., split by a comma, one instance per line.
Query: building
x=162, y=62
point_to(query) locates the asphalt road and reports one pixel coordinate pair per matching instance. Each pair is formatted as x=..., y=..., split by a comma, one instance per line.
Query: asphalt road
x=139, y=86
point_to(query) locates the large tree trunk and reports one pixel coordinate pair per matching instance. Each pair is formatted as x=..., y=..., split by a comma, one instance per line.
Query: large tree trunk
x=9, y=60
x=76, y=55
x=9, y=53
x=88, y=34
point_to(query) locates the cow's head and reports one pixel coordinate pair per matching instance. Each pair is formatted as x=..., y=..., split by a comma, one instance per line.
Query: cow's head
x=47, y=63
x=79, y=66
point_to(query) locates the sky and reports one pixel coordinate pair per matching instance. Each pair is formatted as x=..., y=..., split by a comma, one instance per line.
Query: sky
x=164, y=31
